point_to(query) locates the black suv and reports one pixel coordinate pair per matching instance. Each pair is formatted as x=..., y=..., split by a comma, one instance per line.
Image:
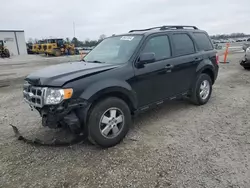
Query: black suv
x=122, y=76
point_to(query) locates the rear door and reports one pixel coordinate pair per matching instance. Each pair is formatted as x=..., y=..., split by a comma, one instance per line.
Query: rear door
x=205, y=46
x=185, y=61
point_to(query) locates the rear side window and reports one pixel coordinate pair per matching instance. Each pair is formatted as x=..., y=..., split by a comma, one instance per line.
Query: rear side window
x=183, y=44
x=203, y=41
x=158, y=45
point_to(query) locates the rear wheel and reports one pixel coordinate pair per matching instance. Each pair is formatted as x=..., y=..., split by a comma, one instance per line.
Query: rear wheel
x=109, y=122
x=201, y=90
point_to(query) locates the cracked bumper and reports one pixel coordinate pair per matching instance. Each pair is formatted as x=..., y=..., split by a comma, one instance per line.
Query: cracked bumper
x=66, y=115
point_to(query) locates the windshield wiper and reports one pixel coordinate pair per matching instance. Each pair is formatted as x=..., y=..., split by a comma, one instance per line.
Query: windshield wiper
x=96, y=61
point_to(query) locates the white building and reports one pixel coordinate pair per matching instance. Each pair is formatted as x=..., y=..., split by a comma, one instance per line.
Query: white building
x=14, y=40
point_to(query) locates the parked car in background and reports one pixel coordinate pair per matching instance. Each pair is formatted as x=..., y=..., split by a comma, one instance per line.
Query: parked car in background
x=232, y=41
x=246, y=45
x=246, y=60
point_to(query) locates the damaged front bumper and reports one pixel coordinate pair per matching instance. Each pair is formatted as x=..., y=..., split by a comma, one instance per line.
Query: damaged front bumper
x=68, y=114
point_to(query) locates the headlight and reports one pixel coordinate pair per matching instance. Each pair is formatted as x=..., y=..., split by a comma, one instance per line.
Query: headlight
x=55, y=96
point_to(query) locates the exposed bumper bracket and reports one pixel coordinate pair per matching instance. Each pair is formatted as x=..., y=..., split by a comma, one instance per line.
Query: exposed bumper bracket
x=53, y=142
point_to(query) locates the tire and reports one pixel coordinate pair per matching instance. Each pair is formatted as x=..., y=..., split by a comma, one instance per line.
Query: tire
x=71, y=52
x=57, y=52
x=247, y=68
x=7, y=53
x=101, y=113
x=196, y=97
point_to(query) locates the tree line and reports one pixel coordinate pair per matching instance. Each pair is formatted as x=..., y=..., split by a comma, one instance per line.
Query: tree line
x=232, y=35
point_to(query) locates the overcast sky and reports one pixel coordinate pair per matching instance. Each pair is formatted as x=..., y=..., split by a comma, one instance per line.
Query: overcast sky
x=54, y=18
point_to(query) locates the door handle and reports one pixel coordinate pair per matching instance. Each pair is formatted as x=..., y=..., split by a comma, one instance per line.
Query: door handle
x=168, y=66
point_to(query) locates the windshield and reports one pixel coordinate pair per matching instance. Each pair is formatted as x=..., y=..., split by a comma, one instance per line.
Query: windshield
x=116, y=49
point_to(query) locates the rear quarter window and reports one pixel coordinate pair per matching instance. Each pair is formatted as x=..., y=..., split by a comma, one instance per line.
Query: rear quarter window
x=203, y=42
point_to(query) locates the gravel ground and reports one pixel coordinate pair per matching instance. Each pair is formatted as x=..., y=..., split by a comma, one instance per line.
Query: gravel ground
x=175, y=145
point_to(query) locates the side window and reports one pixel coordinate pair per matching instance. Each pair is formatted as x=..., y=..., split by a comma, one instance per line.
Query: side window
x=183, y=44
x=158, y=45
x=203, y=41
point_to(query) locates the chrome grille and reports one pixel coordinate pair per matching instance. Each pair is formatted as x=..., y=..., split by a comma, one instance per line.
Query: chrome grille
x=34, y=95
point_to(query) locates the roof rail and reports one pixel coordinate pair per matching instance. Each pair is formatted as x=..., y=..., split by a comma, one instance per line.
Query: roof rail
x=166, y=27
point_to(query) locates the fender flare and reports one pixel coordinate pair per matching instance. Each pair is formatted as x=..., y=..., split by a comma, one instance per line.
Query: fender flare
x=98, y=89
x=205, y=65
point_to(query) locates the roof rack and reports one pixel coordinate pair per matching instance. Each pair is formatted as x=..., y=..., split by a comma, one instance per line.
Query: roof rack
x=166, y=27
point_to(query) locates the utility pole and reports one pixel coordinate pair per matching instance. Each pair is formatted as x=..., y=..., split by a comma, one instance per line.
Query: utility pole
x=74, y=29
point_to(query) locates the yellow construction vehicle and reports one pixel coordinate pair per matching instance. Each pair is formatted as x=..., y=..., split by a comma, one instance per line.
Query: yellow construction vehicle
x=58, y=47
x=37, y=47
x=42, y=47
x=4, y=52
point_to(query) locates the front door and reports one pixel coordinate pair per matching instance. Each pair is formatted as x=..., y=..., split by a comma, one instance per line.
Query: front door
x=153, y=81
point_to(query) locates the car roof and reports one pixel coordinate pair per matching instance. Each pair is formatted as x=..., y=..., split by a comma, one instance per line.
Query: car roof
x=163, y=29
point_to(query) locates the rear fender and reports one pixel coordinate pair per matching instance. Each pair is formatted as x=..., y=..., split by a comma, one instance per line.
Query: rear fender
x=205, y=64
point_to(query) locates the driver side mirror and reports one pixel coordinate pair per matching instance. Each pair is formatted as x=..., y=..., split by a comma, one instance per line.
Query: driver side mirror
x=145, y=58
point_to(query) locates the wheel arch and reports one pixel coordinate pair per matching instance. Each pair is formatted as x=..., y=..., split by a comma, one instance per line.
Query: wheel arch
x=209, y=72
x=206, y=67
x=110, y=88
x=113, y=93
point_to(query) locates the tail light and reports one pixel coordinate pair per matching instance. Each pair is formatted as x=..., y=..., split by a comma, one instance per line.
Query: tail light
x=217, y=59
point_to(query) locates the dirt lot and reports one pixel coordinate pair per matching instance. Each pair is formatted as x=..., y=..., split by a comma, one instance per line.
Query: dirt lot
x=176, y=145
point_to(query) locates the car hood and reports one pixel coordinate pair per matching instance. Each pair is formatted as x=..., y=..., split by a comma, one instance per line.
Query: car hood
x=58, y=75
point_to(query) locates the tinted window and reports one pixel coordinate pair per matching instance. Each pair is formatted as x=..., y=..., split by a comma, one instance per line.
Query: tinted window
x=158, y=45
x=183, y=44
x=203, y=41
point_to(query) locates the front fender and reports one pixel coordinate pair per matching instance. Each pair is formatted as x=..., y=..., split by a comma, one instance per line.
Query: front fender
x=97, y=89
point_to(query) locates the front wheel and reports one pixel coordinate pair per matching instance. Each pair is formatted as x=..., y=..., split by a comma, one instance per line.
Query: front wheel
x=57, y=52
x=71, y=52
x=109, y=122
x=247, y=68
x=201, y=90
